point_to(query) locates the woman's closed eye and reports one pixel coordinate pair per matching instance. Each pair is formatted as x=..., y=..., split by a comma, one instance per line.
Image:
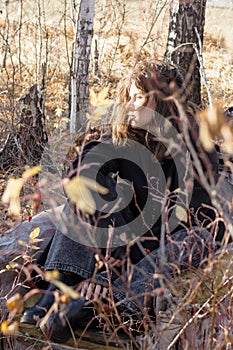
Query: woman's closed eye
x=139, y=97
x=137, y=100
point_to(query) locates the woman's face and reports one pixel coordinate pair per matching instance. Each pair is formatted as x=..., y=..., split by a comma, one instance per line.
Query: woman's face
x=140, y=113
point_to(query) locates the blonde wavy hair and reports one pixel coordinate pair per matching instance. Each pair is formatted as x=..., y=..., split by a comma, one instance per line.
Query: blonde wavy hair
x=162, y=80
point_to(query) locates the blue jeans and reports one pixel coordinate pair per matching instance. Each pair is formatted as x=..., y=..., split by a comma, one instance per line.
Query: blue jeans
x=133, y=289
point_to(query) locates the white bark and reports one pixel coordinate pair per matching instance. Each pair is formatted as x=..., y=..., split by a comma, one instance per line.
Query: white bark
x=81, y=60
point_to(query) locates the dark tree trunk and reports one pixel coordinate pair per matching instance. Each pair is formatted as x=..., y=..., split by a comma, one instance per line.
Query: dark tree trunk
x=26, y=140
x=187, y=20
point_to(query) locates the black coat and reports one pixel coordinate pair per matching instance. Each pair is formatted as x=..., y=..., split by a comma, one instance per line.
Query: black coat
x=153, y=195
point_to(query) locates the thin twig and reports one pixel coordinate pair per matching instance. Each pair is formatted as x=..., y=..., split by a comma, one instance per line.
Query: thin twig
x=202, y=69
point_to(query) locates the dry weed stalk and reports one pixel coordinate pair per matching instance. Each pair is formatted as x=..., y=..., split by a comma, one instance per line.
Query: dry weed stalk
x=119, y=46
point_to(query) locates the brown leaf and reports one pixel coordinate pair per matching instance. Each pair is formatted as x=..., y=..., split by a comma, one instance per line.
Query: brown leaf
x=102, y=95
x=15, y=302
x=79, y=190
x=9, y=329
x=205, y=137
x=93, y=97
x=52, y=276
x=11, y=195
x=99, y=99
x=24, y=244
x=31, y=172
x=99, y=104
x=35, y=233
x=34, y=247
x=228, y=336
x=92, y=185
x=181, y=213
x=227, y=139
x=93, y=116
x=99, y=263
x=211, y=121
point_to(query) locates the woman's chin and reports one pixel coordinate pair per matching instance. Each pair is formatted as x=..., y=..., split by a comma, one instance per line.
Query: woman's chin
x=136, y=124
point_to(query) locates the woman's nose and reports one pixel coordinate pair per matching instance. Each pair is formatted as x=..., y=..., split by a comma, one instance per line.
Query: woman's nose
x=130, y=106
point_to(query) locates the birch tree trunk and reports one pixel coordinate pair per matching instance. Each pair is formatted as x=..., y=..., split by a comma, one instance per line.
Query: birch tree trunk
x=81, y=60
x=185, y=38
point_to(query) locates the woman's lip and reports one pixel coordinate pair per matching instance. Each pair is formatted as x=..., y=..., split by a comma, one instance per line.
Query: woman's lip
x=131, y=116
x=132, y=120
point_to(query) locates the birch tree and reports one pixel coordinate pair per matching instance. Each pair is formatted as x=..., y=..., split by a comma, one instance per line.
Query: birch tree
x=80, y=65
x=185, y=38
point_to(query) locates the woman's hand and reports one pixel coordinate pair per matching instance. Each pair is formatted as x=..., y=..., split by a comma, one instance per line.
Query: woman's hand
x=93, y=291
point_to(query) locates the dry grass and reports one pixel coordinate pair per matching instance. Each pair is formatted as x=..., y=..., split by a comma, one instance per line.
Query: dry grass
x=117, y=52
x=218, y=53
x=119, y=40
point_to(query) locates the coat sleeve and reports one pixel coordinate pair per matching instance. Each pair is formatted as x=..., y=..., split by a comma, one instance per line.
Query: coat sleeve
x=99, y=162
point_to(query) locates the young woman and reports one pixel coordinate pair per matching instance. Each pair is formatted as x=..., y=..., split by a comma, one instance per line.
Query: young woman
x=154, y=220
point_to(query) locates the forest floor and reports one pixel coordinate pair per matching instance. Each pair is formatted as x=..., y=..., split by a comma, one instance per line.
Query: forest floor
x=217, y=59
x=113, y=63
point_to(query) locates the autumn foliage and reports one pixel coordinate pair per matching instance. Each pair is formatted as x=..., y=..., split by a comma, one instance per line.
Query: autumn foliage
x=36, y=47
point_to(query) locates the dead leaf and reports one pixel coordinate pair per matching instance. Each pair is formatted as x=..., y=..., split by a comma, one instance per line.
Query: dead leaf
x=93, y=97
x=79, y=190
x=93, y=117
x=10, y=266
x=211, y=121
x=66, y=289
x=205, y=137
x=9, y=329
x=123, y=237
x=50, y=275
x=228, y=336
x=102, y=95
x=99, y=99
x=34, y=247
x=93, y=185
x=15, y=302
x=99, y=104
x=31, y=172
x=24, y=244
x=99, y=263
x=227, y=136
x=11, y=195
x=35, y=233
x=181, y=213
x=53, y=277
x=37, y=240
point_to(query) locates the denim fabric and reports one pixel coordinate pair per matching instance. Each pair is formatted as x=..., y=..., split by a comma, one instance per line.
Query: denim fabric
x=66, y=253
x=183, y=250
